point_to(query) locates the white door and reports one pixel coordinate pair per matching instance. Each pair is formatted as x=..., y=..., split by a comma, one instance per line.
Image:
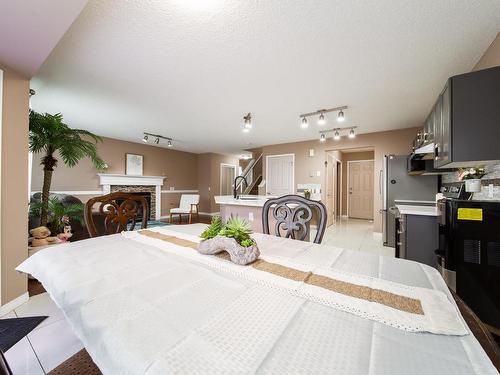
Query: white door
x=360, y=189
x=227, y=176
x=279, y=175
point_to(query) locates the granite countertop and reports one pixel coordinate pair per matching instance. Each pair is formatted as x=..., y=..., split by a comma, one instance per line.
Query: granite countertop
x=406, y=209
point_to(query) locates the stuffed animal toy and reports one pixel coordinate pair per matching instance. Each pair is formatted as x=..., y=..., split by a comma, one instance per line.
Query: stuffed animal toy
x=66, y=235
x=41, y=237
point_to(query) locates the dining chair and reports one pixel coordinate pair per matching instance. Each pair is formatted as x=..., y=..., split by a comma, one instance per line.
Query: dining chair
x=115, y=212
x=188, y=205
x=292, y=215
x=4, y=366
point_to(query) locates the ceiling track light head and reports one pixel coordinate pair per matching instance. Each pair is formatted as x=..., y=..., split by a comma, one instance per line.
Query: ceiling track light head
x=247, y=122
x=352, y=134
x=340, y=116
x=321, y=119
x=145, y=139
x=157, y=140
x=336, y=135
x=322, y=137
x=32, y=92
x=304, y=124
x=169, y=143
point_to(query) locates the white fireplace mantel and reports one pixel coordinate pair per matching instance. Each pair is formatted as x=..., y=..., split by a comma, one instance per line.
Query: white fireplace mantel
x=108, y=180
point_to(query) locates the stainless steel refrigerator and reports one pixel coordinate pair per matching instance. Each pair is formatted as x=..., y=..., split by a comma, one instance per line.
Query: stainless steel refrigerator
x=396, y=184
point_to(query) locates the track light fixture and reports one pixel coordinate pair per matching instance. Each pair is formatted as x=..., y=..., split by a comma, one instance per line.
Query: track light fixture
x=321, y=115
x=321, y=119
x=157, y=138
x=337, y=133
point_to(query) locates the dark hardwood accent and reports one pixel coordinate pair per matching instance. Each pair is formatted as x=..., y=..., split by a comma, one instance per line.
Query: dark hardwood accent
x=479, y=330
x=4, y=366
x=293, y=214
x=118, y=212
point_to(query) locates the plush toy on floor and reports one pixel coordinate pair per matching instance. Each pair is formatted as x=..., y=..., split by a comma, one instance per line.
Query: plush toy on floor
x=66, y=235
x=41, y=237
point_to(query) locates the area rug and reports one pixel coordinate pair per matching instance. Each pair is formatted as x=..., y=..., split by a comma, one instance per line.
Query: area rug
x=152, y=224
x=79, y=364
x=14, y=329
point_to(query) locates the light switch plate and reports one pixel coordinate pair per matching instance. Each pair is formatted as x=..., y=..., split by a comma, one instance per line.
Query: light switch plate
x=318, y=173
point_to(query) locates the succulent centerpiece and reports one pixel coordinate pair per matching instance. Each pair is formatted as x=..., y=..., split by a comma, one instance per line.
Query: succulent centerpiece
x=232, y=237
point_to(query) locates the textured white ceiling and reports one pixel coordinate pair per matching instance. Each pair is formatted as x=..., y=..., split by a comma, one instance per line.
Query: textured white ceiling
x=190, y=69
x=29, y=30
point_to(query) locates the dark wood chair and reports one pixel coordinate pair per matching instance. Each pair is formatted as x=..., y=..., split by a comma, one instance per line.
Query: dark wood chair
x=293, y=215
x=116, y=212
x=4, y=366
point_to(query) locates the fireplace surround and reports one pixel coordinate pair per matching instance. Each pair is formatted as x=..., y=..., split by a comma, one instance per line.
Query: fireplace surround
x=135, y=184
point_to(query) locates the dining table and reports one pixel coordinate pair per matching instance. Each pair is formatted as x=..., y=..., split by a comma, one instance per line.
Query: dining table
x=147, y=302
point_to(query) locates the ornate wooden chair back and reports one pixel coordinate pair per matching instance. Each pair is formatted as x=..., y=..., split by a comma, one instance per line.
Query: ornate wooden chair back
x=292, y=215
x=117, y=212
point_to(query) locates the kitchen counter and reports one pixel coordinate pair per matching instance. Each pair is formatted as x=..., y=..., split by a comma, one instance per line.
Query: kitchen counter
x=406, y=209
x=253, y=201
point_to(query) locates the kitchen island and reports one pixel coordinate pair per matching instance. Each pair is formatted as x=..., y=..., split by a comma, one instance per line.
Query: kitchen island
x=248, y=207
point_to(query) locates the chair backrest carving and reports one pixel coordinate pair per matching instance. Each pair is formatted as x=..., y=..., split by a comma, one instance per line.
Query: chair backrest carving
x=293, y=215
x=118, y=212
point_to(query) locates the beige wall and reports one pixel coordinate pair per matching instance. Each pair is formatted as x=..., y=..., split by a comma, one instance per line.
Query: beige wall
x=383, y=143
x=14, y=189
x=179, y=168
x=491, y=57
x=209, y=178
x=350, y=156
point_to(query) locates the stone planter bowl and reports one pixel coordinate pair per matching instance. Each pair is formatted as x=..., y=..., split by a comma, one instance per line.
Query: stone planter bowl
x=239, y=254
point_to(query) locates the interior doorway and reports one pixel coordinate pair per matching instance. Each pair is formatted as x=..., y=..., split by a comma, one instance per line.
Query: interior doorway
x=333, y=194
x=227, y=176
x=336, y=196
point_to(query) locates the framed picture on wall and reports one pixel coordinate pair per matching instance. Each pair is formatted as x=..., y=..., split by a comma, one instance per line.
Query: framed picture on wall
x=133, y=164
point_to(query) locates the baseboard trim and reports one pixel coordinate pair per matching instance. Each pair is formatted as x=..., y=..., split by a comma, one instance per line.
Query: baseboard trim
x=14, y=304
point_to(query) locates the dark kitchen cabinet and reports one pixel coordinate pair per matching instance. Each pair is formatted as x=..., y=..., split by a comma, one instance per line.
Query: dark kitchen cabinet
x=467, y=120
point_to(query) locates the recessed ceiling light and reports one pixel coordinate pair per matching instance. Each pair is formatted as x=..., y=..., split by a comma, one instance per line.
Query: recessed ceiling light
x=340, y=116
x=304, y=124
x=321, y=119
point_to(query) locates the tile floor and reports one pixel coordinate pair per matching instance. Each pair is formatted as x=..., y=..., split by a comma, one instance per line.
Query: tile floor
x=52, y=342
x=48, y=345
x=356, y=234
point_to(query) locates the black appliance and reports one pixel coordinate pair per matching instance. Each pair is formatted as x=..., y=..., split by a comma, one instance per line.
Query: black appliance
x=470, y=246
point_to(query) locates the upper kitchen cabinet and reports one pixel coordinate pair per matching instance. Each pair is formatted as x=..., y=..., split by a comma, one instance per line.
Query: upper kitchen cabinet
x=466, y=120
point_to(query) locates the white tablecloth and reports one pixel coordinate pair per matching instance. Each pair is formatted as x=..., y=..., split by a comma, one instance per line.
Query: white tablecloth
x=140, y=310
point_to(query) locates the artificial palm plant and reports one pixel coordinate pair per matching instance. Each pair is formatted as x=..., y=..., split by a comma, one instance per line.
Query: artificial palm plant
x=50, y=135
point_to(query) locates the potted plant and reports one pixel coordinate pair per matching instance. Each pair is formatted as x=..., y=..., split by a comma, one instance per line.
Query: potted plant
x=232, y=237
x=472, y=178
x=50, y=135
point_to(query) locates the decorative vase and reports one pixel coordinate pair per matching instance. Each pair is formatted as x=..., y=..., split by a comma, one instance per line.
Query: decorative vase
x=473, y=185
x=239, y=254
